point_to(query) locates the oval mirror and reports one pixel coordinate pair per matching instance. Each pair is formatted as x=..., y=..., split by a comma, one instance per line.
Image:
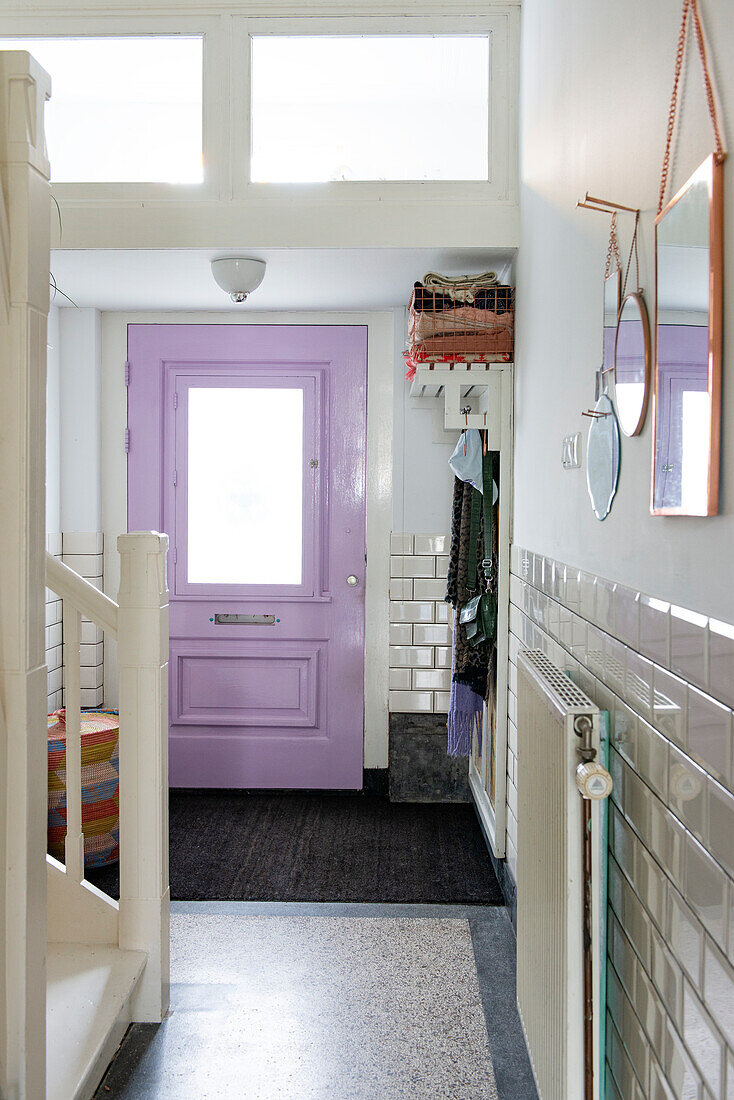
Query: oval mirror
x=602, y=457
x=632, y=357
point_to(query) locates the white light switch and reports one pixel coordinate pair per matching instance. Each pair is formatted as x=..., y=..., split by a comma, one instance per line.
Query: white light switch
x=571, y=453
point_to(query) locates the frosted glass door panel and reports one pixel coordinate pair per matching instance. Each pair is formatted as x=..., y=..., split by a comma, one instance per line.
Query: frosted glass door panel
x=245, y=486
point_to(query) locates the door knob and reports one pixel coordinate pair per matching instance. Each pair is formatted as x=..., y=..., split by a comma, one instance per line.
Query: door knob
x=352, y=580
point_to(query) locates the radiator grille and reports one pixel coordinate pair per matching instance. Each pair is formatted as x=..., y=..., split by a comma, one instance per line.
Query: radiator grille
x=550, y=878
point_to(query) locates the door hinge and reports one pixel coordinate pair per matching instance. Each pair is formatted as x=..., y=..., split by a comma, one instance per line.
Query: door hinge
x=175, y=477
x=127, y=374
x=314, y=463
x=175, y=555
x=127, y=440
x=175, y=400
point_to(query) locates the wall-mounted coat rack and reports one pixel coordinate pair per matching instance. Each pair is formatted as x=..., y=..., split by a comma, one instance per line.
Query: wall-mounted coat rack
x=477, y=387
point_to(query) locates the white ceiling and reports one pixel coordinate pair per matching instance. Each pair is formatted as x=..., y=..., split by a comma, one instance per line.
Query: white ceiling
x=296, y=279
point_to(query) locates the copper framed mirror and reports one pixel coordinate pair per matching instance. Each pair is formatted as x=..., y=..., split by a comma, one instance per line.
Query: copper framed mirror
x=632, y=359
x=689, y=245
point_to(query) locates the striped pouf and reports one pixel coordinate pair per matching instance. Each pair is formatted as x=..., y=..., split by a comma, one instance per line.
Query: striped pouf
x=100, y=786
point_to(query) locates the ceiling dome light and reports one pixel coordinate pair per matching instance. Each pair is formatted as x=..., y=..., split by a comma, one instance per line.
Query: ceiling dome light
x=238, y=275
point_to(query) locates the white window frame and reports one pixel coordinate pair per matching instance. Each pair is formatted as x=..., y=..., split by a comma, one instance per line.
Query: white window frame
x=215, y=70
x=499, y=27
x=226, y=104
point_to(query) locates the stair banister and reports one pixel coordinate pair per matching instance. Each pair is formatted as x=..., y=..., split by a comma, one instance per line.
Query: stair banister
x=142, y=658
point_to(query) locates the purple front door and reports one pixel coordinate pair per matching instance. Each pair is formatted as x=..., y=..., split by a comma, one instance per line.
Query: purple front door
x=247, y=447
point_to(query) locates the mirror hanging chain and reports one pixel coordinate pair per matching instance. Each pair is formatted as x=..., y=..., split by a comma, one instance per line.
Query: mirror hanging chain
x=690, y=11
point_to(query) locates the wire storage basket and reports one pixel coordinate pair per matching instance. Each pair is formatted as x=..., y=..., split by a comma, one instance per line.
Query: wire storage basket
x=469, y=323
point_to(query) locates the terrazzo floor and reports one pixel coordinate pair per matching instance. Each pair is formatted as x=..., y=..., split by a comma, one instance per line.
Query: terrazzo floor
x=332, y=1002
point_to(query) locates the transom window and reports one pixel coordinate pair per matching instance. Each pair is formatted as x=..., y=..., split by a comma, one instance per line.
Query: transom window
x=122, y=110
x=389, y=107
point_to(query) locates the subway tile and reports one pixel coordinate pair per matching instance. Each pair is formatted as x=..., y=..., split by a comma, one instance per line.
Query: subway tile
x=651, y=1012
x=411, y=701
x=86, y=565
x=53, y=635
x=55, y=681
x=651, y=885
x=411, y=612
x=721, y=661
x=83, y=542
x=615, y=663
x=705, y=888
x=702, y=1039
x=655, y=629
x=444, y=612
x=638, y=683
x=443, y=657
x=623, y=730
x=437, y=634
x=622, y=955
x=659, y=1087
x=399, y=679
x=54, y=543
x=652, y=758
x=90, y=633
x=405, y=656
x=54, y=658
x=688, y=636
x=718, y=990
x=516, y=620
x=515, y=558
x=91, y=676
x=429, y=589
x=431, y=679
x=603, y=606
x=621, y=1059
x=611, y=1092
x=401, y=543
x=587, y=596
x=53, y=612
x=441, y=701
x=431, y=544
x=55, y=701
x=97, y=582
x=594, y=658
x=622, y=842
x=516, y=590
x=668, y=978
x=408, y=566
x=512, y=677
x=92, y=697
x=678, y=1067
x=730, y=1075
x=685, y=936
x=626, y=605
x=688, y=793
x=709, y=734
x=573, y=590
x=512, y=737
x=92, y=654
x=557, y=585
x=526, y=566
x=442, y=565
x=721, y=826
x=670, y=706
x=401, y=588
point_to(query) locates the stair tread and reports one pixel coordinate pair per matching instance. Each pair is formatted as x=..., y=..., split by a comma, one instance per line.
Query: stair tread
x=88, y=987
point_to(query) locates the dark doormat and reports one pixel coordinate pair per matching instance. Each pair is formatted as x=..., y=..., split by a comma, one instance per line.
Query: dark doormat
x=292, y=846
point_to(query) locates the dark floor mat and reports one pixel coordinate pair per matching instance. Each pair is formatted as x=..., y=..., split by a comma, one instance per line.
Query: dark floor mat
x=289, y=846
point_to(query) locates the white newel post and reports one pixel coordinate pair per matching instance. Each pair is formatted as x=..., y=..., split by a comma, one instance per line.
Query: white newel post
x=24, y=281
x=142, y=655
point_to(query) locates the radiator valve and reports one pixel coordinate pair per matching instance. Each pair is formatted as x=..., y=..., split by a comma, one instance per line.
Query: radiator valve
x=593, y=780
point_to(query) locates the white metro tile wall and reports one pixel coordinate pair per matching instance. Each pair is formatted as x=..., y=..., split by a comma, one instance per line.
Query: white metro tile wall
x=420, y=634
x=666, y=675
x=83, y=551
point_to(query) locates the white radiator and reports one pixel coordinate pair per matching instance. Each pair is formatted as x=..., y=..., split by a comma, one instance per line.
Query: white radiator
x=555, y=719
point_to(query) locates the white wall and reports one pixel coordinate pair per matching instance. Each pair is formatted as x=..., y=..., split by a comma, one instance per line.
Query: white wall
x=53, y=424
x=596, y=81
x=80, y=403
x=422, y=480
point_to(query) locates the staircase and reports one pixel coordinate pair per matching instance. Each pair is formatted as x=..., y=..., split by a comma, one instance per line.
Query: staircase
x=107, y=962
x=76, y=967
